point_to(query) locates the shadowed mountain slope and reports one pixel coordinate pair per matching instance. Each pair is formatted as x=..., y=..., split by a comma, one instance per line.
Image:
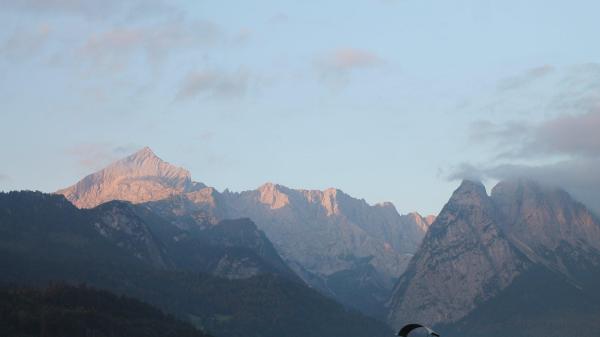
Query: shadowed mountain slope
x=45, y=238
x=63, y=310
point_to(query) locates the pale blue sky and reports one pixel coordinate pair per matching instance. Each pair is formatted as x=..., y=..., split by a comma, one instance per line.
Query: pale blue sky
x=386, y=100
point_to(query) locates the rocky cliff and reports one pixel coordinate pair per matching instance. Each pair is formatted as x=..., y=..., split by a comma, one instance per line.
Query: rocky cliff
x=485, y=252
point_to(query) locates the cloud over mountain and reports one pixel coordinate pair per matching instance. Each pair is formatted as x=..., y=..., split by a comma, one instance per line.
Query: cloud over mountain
x=563, y=149
x=568, y=134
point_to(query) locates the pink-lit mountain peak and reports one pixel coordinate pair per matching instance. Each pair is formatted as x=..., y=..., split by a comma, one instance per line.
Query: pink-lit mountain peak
x=137, y=178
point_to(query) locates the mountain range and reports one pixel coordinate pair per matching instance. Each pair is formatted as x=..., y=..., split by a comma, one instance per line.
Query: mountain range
x=342, y=246
x=523, y=260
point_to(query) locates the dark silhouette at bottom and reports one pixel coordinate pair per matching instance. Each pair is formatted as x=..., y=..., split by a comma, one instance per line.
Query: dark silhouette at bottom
x=413, y=326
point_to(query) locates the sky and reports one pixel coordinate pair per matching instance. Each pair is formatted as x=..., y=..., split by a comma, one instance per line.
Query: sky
x=388, y=100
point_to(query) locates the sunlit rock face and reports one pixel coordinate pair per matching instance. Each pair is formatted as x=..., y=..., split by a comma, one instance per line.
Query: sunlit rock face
x=137, y=178
x=325, y=230
x=479, y=245
x=340, y=245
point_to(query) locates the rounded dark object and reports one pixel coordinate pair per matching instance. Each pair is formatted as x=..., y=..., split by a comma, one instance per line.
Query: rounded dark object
x=410, y=327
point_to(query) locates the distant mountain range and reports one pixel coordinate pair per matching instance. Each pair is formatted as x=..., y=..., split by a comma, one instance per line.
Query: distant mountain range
x=275, y=261
x=342, y=246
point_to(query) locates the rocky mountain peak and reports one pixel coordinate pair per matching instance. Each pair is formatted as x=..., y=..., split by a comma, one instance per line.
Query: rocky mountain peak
x=464, y=259
x=145, y=163
x=278, y=196
x=480, y=244
x=145, y=152
x=207, y=195
x=140, y=177
x=422, y=223
x=385, y=204
x=469, y=192
x=330, y=202
x=273, y=195
x=542, y=218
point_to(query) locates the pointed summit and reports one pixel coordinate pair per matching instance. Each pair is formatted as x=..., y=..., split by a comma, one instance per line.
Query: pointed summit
x=145, y=152
x=467, y=250
x=145, y=163
x=137, y=178
x=469, y=192
x=471, y=186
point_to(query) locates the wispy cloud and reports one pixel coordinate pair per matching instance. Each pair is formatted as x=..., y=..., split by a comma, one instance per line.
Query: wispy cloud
x=205, y=136
x=337, y=65
x=569, y=134
x=215, y=84
x=579, y=176
x=528, y=77
x=88, y=8
x=91, y=9
x=501, y=135
x=574, y=135
x=130, y=46
x=562, y=149
x=545, y=90
x=135, y=31
x=97, y=155
x=279, y=18
x=243, y=36
x=116, y=48
x=25, y=43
